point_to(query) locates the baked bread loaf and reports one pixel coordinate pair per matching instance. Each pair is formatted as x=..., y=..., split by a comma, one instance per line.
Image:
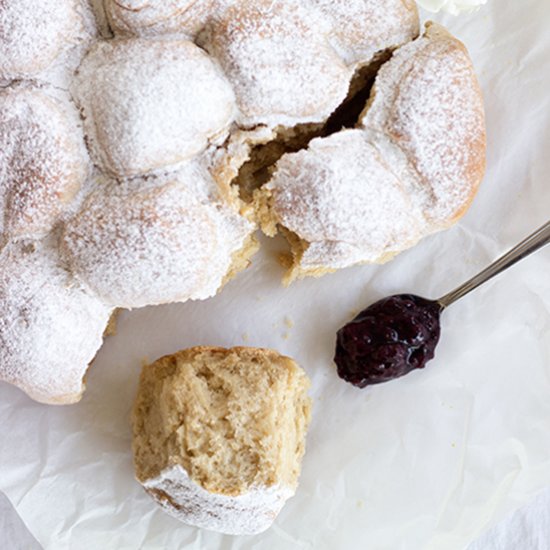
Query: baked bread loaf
x=219, y=435
x=143, y=153
x=409, y=168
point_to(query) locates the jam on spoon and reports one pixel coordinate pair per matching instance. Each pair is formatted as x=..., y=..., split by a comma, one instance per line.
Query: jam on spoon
x=400, y=333
x=388, y=340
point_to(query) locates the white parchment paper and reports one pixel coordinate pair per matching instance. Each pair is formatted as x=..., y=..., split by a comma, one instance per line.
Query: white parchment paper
x=425, y=462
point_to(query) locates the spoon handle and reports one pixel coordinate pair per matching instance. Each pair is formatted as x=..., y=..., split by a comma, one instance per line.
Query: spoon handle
x=531, y=244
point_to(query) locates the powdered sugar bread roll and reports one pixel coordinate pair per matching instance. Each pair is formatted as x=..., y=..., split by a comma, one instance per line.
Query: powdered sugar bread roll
x=364, y=28
x=156, y=241
x=50, y=328
x=219, y=435
x=33, y=33
x=155, y=17
x=279, y=61
x=410, y=168
x=151, y=104
x=43, y=162
x=426, y=115
x=343, y=203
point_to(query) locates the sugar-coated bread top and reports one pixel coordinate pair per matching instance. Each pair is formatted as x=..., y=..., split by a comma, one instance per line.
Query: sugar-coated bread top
x=153, y=242
x=137, y=197
x=360, y=27
x=428, y=108
x=279, y=61
x=154, y=17
x=43, y=161
x=411, y=167
x=50, y=328
x=341, y=196
x=288, y=61
x=151, y=104
x=33, y=33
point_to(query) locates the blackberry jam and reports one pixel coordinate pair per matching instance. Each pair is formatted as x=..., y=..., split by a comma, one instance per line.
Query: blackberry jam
x=388, y=340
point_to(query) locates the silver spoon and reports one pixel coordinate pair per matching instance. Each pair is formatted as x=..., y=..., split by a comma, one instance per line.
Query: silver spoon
x=531, y=244
x=400, y=333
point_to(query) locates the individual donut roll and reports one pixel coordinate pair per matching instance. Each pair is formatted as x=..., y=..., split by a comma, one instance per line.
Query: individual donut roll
x=33, y=33
x=157, y=241
x=277, y=56
x=340, y=204
x=150, y=104
x=50, y=328
x=427, y=118
x=43, y=162
x=219, y=435
x=155, y=17
x=363, y=28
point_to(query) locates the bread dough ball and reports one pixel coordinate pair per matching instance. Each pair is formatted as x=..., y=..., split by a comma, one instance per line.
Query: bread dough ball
x=33, y=33
x=342, y=200
x=50, y=329
x=279, y=61
x=151, y=104
x=428, y=117
x=153, y=242
x=43, y=162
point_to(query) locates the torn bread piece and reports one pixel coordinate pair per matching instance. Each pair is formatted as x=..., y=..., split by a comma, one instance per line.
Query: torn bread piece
x=411, y=166
x=219, y=435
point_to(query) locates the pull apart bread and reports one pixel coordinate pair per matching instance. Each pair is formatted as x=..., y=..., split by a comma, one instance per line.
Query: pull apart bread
x=137, y=162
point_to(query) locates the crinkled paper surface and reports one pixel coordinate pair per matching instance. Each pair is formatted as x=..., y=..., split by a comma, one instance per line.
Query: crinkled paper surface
x=426, y=462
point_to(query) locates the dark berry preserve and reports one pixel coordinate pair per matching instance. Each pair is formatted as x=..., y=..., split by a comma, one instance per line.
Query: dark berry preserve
x=388, y=339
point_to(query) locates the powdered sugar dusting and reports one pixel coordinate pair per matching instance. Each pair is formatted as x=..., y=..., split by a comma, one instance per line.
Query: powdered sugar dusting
x=362, y=28
x=33, y=33
x=43, y=39
x=42, y=162
x=247, y=514
x=149, y=104
x=340, y=192
x=278, y=59
x=144, y=243
x=135, y=17
x=428, y=105
x=50, y=329
x=409, y=170
x=160, y=107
